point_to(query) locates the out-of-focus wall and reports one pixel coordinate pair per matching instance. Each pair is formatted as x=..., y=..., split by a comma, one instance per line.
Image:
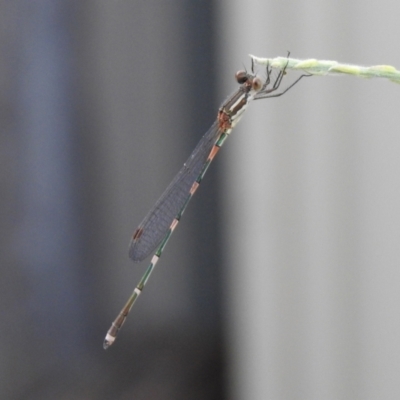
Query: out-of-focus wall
x=101, y=104
x=312, y=210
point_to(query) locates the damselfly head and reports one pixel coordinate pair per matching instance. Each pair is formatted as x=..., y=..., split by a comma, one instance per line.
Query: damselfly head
x=256, y=84
x=241, y=77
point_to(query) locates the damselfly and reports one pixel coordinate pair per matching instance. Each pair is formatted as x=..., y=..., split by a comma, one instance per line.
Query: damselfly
x=157, y=227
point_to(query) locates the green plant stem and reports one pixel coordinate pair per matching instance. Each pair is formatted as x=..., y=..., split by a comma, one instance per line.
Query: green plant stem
x=324, y=67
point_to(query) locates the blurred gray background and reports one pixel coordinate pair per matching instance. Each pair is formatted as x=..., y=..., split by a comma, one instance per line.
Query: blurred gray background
x=282, y=282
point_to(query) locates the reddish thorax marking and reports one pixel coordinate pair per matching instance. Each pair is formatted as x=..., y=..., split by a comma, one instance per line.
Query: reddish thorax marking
x=224, y=120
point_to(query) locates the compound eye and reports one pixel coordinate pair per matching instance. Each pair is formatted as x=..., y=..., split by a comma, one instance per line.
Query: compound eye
x=241, y=77
x=257, y=84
